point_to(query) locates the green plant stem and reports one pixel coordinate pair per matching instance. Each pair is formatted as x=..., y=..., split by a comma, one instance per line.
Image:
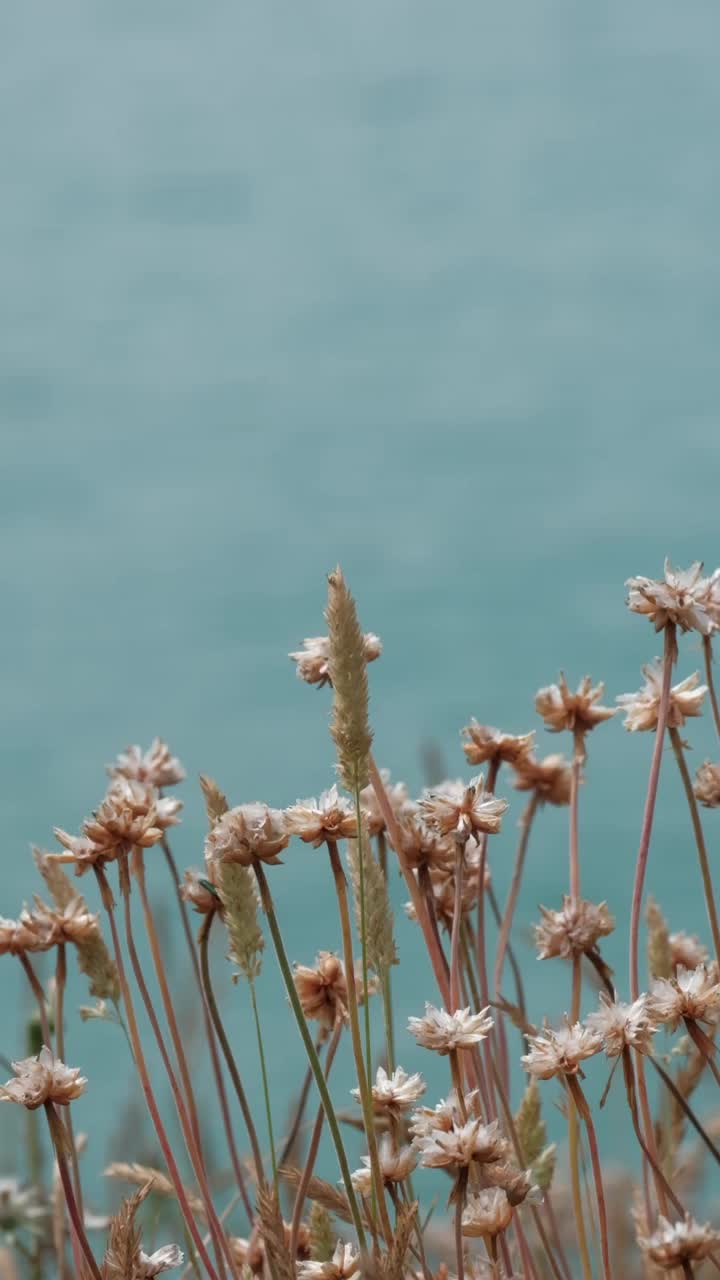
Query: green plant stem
x=679, y=752
x=365, y=1093
x=203, y=940
x=386, y=977
x=266, y=1089
x=286, y=972
x=307, y=1172
x=59, y=1138
x=363, y=931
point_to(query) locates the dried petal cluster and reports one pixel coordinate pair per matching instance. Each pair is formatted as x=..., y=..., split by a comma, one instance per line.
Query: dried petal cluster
x=682, y=597
x=673, y=1244
x=443, y=1032
x=331, y=818
x=43, y=1079
x=622, y=1026
x=574, y=929
x=641, y=708
x=550, y=778
x=462, y=810
x=707, y=785
x=579, y=712
x=157, y=766
x=692, y=993
x=312, y=662
x=560, y=1053
x=484, y=744
x=247, y=833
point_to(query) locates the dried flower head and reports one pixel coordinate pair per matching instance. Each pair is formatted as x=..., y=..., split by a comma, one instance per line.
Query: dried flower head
x=680, y=598
x=246, y=833
x=17, y=937
x=419, y=845
x=312, y=662
x=71, y=923
x=465, y=1142
x=164, y=1259
x=622, y=1025
x=579, y=712
x=156, y=766
x=445, y=1115
x=393, y=1094
x=687, y=950
x=128, y=818
x=485, y=743
x=344, y=1265
x=443, y=1032
x=43, y=1079
x=519, y=1185
x=692, y=993
x=641, y=708
x=332, y=817
x=672, y=1245
x=550, y=778
x=486, y=1213
x=322, y=989
x=559, y=1053
x=195, y=891
x=443, y=879
x=396, y=1164
x=463, y=810
x=707, y=785
x=397, y=795
x=574, y=929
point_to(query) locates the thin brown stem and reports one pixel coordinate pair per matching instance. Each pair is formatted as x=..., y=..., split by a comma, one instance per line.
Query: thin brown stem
x=707, y=650
x=631, y=1095
x=581, y=1103
x=60, y=985
x=679, y=752
x=307, y=1172
x=459, y=1248
x=684, y=1105
x=456, y=925
x=141, y=1065
x=706, y=1046
x=58, y=1135
x=39, y=997
x=508, y=915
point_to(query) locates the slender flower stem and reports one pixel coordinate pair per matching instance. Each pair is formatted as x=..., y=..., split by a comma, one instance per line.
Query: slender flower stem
x=135, y=1041
x=631, y=1094
x=582, y=1106
x=39, y=997
x=220, y=1241
x=707, y=650
x=679, y=751
x=291, y=1136
x=60, y=985
x=387, y=979
x=684, y=1105
x=307, y=1172
x=706, y=1046
x=365, y=1094
x=203, y=939
x=266, y=1090
x=459, y=1249
x=58, y=1135
x=573, y=1125
x=525, y=824
x=269, y=909
x=363, y=929
x=209, y=1031
x=456, y=926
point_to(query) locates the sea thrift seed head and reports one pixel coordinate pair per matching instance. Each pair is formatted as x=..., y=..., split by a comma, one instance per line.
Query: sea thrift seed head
x=686, y=950
x=126, y=819
x=465, y=1142
x=621, y=1025
x=344, y=1265
x=550, y=778
x=43, y=1079
x=519, y=1185
x=692, y=993
x=642, y=708
x=444, y=1032
x=443, y=1117
x=574, y=929
x=17, y=937
x=164, y=1259
x=442, y=881
x=486, y=1213
x=156, y=766
x=579, y=712
x=680, y=598
x=396, y=1093
x=673, y=1244
x=247, y=833
x=322, y=989
x=332, y=817
x=312, y=662
x=559, y=1053
x=459, y=810
x=195, y=892
x=419, y=845
x=396, y=1164
x=707, y=785
x=485, y=744
x=397, y=794
x=71, y=923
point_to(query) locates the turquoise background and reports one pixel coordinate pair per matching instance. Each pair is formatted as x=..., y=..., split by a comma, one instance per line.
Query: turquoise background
x=429, y=290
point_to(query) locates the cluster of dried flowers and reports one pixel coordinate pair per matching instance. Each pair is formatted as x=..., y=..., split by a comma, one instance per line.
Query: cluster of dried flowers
x=509, y=1214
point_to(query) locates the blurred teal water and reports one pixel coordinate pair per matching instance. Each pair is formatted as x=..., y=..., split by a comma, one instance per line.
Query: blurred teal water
x=431, y=291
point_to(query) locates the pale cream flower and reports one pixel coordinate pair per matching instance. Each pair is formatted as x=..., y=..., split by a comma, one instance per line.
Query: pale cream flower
x=71, y=923
x=681, y=598
x=673, y=1244
x=344, y=1265
x=155, y=766
x=251, y=1253
x=484, y=743
x=687, y=950
x=167, y=809
x=393, y=1094
x=465, y=1142
x=17, y=937
x=83, y=853
x=550, y=778
x=443, y=1032
x=419, y=845
x=322, y=988
x=441, y=1118
x=463, y=810
x=126, y=819
x=574, y=929
x=313, y=660
x=397, y=795
x=246, y=833
x=486, y=1213
x=692, y=993
x=396, y=1164
x=623, y=1025
x=194, y=890
x=332, y=817
x=43, y=1079
x=559, y=1053
x=517, y=1184
x=163, y=1259
x=579, y=712
x=707, y=785
x=641, y=708
x=442, y=881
